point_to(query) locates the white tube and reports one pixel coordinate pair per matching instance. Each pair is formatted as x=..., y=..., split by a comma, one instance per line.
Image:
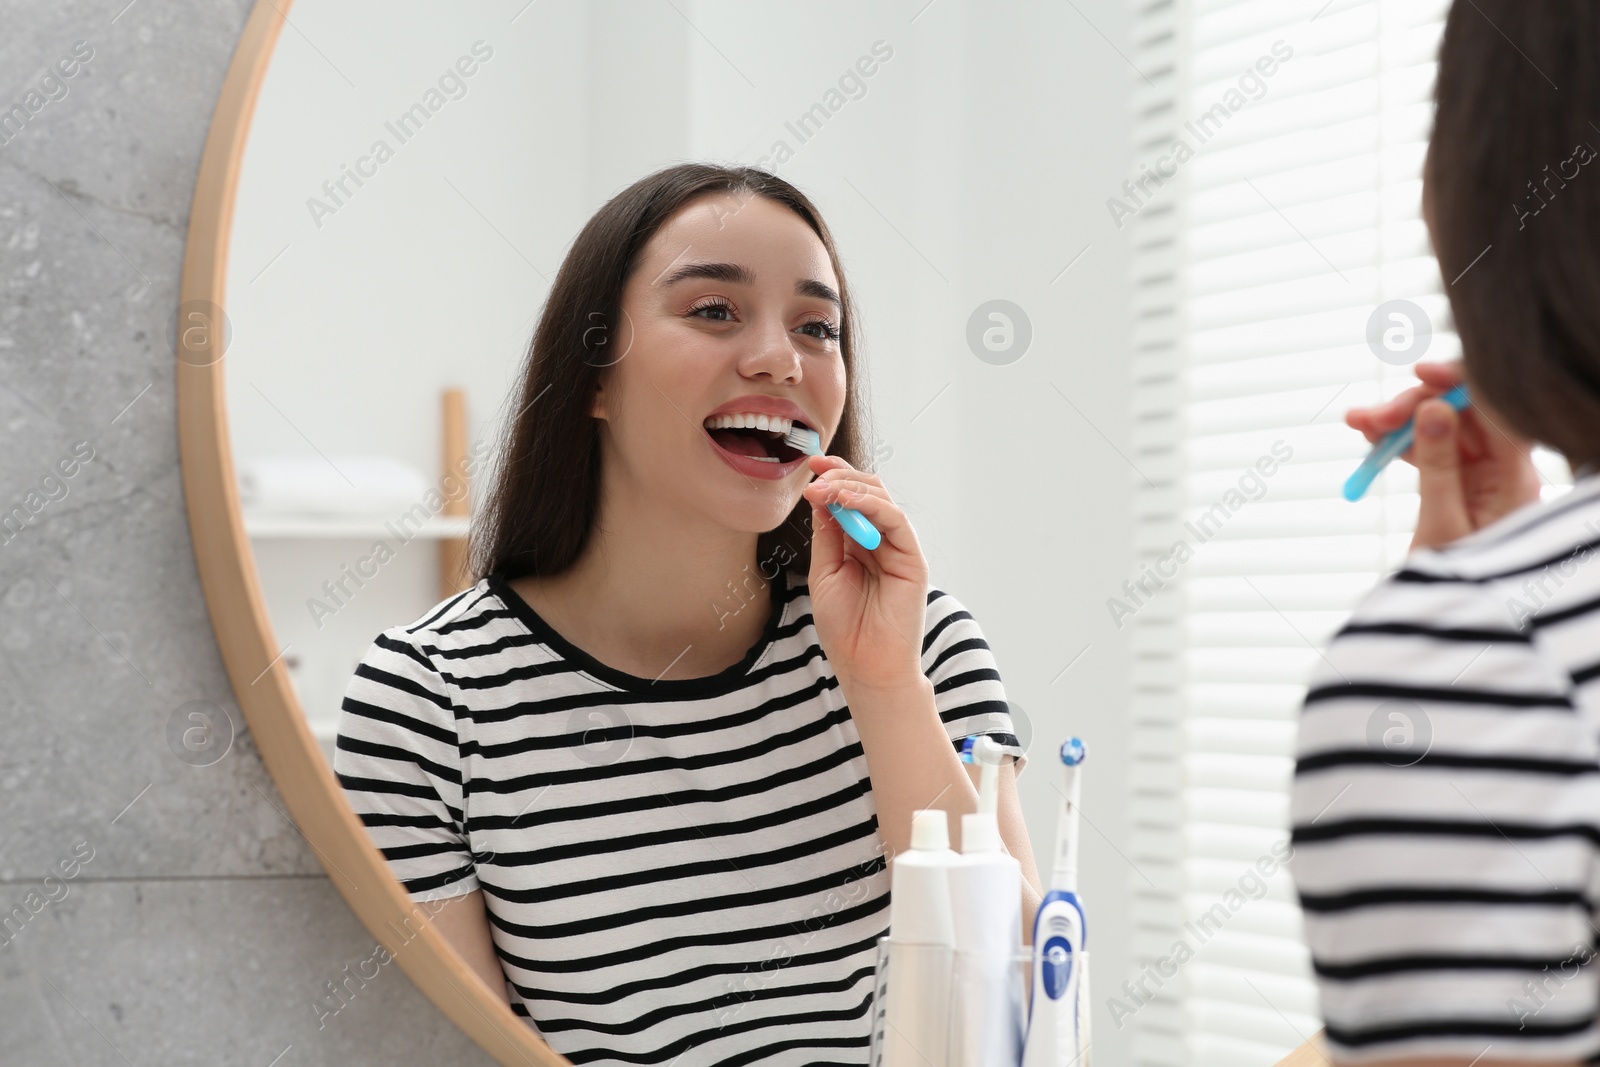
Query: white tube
x=986, y=900
x=921, y=946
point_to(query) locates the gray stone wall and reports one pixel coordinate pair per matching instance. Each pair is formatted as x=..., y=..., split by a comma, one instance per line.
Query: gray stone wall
x=153, y=910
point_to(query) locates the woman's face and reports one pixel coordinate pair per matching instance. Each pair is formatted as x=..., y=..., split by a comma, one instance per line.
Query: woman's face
x=729, y=311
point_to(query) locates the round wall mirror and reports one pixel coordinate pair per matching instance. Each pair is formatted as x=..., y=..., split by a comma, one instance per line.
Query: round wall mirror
x=384, y=203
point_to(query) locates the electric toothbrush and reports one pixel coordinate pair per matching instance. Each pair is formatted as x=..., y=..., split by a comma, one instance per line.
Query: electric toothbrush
x=986, y=752
x=855, y=524
x=1384, y=452
x=1057, y=1036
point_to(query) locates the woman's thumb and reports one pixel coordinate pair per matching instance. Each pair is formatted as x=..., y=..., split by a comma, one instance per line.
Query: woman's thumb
x=1442, y=515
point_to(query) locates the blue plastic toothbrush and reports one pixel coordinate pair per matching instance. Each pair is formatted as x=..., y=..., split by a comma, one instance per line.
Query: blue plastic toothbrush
x=855, y=524
x=1356, y=486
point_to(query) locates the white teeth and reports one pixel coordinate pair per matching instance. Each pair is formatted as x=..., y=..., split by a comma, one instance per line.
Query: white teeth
x=750, y=421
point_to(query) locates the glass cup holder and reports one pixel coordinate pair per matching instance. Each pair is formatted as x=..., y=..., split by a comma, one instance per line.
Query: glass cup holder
x=964, y=1015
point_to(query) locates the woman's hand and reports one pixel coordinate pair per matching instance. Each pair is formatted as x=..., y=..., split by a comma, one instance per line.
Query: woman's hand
x=1469, y=471
x=869, y=608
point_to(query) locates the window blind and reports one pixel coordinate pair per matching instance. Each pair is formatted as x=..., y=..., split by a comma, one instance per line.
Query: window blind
x=1277, y=205
x=1155, y=712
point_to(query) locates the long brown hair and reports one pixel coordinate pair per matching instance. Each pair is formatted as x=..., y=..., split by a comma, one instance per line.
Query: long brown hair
x=540, y=508
x=1515, y=198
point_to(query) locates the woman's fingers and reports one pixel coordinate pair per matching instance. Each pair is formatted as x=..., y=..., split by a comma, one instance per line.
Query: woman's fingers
x=825, y=491
x=1475, y=441
x=1443, y=376
x=819, y=464
x=1384, y=418
x=872, y=502
x=1442, y=514
x=841, y=477
x=866, y=493
x=1378, y=420
x=828, y=467
x=848, y=493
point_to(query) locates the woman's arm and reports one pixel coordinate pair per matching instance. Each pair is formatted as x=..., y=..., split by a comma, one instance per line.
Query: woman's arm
x=914, y=766
x=464, y=923
x=399, y=762
x=870, y=611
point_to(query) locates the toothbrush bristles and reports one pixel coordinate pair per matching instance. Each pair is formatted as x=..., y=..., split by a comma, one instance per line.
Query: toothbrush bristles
x=806, y=440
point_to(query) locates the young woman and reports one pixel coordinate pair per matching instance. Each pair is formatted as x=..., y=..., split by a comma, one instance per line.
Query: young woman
x=661, y=754
x=1447, y=794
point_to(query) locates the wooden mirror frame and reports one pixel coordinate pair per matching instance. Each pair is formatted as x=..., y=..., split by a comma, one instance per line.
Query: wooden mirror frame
x=245, y=637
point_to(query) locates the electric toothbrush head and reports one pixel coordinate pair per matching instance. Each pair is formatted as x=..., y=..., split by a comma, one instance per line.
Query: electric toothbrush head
x=987, y=753
x=1064, y=875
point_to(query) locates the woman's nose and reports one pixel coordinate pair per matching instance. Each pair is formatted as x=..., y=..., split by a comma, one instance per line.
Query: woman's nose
x=773, y=352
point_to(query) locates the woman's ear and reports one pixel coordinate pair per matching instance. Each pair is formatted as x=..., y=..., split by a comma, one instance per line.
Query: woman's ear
x=598, y=403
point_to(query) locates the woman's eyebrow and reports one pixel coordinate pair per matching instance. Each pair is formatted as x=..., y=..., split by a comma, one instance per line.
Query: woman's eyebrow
x=739, y=274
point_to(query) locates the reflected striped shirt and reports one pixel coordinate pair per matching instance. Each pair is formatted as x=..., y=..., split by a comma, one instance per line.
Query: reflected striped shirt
x=676, y=872
x=1446, y=799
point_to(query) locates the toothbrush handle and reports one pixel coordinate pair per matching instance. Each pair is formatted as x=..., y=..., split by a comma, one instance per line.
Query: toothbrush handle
x=1356, y=486
x=1385, y=451
x=856, y=525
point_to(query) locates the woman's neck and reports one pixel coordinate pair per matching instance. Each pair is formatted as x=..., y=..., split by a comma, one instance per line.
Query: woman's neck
x=659, y=605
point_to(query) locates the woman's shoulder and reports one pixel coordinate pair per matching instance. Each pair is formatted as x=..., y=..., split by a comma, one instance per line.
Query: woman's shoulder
x=1498, y=577
x=456, y=622
x=447, y=613
x=414, y=655
x=1461, y=632
x=1536, y=535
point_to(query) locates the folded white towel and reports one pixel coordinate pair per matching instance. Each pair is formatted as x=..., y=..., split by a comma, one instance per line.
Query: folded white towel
x=351, y=485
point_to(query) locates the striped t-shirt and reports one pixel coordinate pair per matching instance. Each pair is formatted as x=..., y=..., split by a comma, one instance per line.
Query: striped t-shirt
x=676, y=872
x=1446, y=801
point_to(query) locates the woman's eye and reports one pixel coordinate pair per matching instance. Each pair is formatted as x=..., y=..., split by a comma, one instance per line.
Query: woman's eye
x=830, y=332
x=713, y=306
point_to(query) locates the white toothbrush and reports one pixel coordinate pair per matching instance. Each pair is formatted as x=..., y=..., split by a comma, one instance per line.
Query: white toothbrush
x=855, y=524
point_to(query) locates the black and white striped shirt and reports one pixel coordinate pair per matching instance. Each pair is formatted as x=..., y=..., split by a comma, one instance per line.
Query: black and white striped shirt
x=1446, y=800
x=676, y=872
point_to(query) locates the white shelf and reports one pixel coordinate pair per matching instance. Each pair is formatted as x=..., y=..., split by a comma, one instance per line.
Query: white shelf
x=354, y=526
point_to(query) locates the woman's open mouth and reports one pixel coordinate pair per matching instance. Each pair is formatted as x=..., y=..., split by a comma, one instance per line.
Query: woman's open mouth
x=754, y=445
